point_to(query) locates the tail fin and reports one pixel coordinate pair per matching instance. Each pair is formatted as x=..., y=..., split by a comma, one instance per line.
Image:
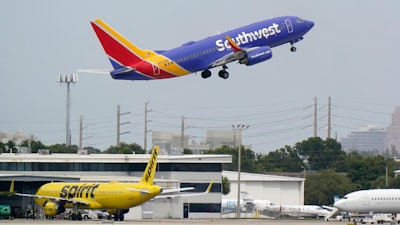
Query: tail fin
x=12, y=186
x=10, y=192
x=150, y=171
x=120, y=51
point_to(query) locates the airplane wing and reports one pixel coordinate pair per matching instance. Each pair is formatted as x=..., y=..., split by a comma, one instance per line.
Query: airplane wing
x=237, y=54
x=328, y=207
x=183, y=194
x=55, y=199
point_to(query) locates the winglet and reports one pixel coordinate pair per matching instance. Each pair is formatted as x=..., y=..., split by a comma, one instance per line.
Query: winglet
x=150, y=171
x=12, y=186
x=10, y=192
x=233, y=45
x=209, y=187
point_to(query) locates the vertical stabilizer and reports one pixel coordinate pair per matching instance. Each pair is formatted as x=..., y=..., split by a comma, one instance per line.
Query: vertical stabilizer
x=150, y=171
x=120, y=51
x=12, y=186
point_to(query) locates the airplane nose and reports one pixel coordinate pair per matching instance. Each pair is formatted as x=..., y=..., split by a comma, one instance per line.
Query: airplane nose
x=339, y=204
x=310, y=24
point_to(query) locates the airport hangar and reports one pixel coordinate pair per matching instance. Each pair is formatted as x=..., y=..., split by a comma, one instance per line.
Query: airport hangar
x=30, y=171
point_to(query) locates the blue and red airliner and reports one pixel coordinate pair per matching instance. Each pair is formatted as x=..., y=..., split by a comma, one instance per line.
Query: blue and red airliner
x=249, y=45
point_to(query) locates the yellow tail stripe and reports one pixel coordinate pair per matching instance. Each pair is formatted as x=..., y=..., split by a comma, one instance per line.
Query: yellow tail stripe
x=140, y=52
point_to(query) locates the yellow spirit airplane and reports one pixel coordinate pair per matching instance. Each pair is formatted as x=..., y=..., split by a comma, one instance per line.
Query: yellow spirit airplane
x=116, y=197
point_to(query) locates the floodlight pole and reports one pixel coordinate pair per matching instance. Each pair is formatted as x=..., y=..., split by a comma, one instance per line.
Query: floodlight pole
x=240, y=128
x=68, y=79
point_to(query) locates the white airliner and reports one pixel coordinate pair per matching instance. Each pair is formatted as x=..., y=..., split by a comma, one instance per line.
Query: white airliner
x=247, y=203
x=370, y=201
x=299, y=210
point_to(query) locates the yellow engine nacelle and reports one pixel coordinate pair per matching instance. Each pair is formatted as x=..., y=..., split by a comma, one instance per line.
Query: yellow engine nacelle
x=53, y=209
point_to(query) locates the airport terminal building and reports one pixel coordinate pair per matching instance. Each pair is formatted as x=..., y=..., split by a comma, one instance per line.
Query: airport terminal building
x=30, y=171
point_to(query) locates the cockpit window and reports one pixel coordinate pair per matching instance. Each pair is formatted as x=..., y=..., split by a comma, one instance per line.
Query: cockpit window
x=299, y=20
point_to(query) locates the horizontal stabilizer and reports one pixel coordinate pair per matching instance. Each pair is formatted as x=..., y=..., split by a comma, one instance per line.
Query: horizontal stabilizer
x=122, y=70
x=99, y=71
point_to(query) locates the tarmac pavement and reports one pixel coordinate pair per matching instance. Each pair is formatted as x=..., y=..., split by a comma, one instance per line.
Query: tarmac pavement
x=183, y=221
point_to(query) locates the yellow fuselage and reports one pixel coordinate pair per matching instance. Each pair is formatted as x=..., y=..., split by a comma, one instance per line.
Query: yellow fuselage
x=113, y=195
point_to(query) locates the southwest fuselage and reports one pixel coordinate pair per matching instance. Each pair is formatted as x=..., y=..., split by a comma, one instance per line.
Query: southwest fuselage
x=201, y=55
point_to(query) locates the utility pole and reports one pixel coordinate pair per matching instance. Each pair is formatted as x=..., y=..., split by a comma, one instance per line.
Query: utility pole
x=118, y=123
x=315, y=117
x=80, y=132
x=81, y=127
x=68, y=79
x=145, y=125
x=119, y=114
x=329, y=117
x=182, y=132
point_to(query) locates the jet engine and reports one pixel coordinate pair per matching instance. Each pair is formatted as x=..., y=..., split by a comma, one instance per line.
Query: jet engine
x=52, y=209
x=255, y=56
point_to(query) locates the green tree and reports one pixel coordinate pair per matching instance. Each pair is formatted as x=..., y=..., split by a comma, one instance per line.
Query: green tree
x=226, y=185
x=365, y=171
x=62, y=148
x=35, y=145
x=320, y=154
x=248, y=158
x=395, y=182
x=92, y=150
x=322, y=186
x=124, y=148
x=187, y=151
x=7, y=147
x=285, y=159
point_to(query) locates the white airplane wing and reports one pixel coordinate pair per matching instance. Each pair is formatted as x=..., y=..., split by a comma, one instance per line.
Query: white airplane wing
x=229, y=58
x=237, y=54
x=183, y=194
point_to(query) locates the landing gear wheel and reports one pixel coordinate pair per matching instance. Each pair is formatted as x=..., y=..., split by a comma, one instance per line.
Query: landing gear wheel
x=293, y=49
x=223, y=74
x=206, y=74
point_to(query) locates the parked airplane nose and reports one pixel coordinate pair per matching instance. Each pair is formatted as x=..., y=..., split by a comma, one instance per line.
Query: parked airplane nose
x=339, y=204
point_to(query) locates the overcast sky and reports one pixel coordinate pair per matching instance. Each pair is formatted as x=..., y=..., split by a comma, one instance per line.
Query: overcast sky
x=351, y=54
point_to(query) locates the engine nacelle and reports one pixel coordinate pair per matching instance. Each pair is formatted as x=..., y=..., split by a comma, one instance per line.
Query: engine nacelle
x=256, y=56
x=53, y=209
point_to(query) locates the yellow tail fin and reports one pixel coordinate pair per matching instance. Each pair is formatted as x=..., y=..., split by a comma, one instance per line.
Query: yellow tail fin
x=150, y=171
x=12, y=186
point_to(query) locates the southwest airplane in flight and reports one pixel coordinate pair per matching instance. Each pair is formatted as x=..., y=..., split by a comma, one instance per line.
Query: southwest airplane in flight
x=249, y=45
x=116, y=197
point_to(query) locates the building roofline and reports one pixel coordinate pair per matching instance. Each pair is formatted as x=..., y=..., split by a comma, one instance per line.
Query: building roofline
x=114, y=158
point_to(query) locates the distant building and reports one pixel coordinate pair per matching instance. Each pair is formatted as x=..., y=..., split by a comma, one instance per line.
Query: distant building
x=170, y=142
x=218, y=138
x=393, y=132
x=280, y=190
x=368, y=138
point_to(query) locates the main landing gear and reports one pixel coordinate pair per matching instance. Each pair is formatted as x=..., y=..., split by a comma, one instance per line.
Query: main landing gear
x=222, y=73
x=292, y=48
